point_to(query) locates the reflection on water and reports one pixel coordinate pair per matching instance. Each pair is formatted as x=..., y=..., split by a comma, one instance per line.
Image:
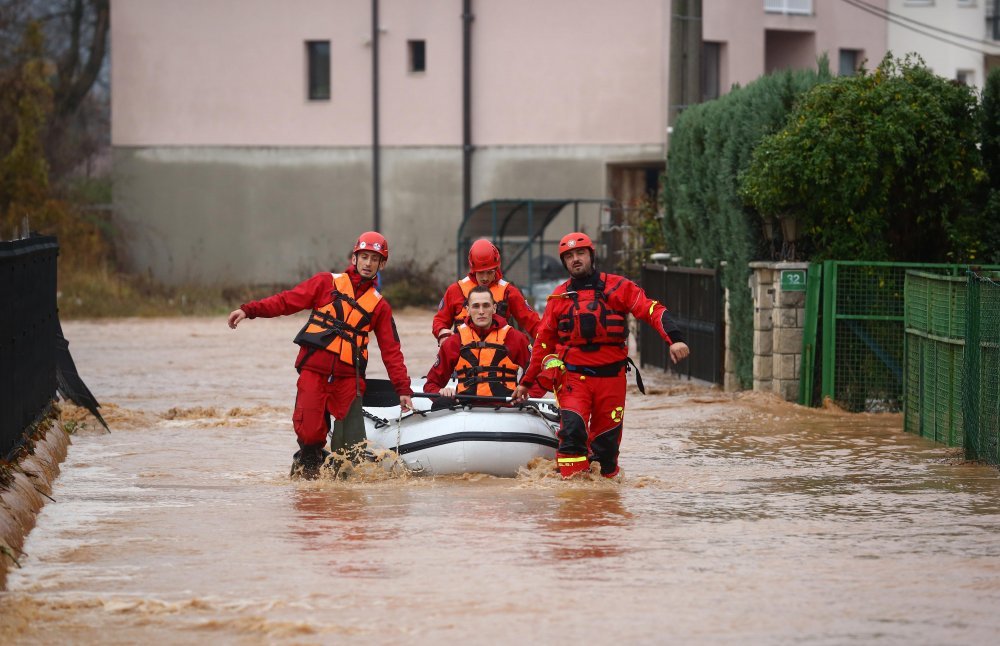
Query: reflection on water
x=585, y=524
x=738, y=521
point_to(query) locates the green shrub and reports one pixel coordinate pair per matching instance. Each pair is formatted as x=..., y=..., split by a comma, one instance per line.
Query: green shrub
x=878, y=166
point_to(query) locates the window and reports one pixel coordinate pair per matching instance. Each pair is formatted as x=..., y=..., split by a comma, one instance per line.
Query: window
x=966, y=77
x=418, y=55
x=849, y=59
x=318, y=61
x=800, y=7
x=710, y=66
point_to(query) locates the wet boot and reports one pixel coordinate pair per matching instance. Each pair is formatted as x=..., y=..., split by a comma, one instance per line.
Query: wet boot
x=570, y=465
x=307, y=461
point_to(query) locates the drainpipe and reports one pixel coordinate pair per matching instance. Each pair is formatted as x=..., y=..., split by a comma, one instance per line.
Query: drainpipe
x=467, y=147
x=376, y=155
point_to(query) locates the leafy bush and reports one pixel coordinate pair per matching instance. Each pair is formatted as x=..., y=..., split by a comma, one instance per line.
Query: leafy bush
x=878, y=166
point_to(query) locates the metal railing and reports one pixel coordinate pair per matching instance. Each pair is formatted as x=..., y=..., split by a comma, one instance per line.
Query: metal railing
x=28, y=328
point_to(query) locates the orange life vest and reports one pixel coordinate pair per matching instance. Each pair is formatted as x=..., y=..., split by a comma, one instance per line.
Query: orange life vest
x=484, y=367
x=342, y=325
x=498, y=289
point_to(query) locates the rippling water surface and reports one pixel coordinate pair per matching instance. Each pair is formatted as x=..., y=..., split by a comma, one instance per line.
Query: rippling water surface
x=739, y=520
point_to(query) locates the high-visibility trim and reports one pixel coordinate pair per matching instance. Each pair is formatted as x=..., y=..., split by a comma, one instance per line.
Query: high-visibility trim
x=571, y=458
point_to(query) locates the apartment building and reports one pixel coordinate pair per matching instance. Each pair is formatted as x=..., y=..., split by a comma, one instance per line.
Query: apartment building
x=958, y=39
x=254, y=139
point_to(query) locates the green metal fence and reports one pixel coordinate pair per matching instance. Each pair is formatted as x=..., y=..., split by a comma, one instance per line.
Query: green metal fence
x=935, y=321
x=862, y=341
x=981, y=374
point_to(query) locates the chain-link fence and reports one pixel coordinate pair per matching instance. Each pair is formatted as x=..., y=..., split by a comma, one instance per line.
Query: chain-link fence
x=935, y=349
x=981, y=375
x=863, y=344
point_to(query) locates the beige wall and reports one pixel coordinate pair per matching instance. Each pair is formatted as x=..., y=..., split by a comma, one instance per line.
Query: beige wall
x=224, y=171
x=232, y=73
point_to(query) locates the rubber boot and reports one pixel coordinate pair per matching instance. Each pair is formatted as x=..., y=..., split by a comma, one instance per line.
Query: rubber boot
x=307, y=461
x=569, y=465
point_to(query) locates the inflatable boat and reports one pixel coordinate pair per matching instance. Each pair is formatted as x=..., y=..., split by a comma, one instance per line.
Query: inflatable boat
x=468, y=437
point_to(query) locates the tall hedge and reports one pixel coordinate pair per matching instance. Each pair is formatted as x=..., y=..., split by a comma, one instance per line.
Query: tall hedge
x=989, y=126
x=879, y=166
x=710, y=146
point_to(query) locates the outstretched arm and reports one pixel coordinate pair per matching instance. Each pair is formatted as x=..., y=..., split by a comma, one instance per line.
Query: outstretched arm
x=655, y=313
x=235, y=317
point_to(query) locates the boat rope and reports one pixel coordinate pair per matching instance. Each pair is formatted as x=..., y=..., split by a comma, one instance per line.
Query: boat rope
x=379, y=421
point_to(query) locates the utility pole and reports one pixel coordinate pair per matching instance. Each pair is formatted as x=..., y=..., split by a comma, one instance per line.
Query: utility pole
x=467, y=147
x=376, y=152
x=685, y=57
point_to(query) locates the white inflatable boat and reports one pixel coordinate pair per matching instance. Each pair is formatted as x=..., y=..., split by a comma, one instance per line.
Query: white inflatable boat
x=496, y=440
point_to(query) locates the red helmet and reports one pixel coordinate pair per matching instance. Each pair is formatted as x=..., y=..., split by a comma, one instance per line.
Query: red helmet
x=372, y=241
x=576, y=240
x=483, y=256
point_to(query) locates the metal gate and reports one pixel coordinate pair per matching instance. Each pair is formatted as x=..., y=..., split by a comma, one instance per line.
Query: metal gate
x=694, y=299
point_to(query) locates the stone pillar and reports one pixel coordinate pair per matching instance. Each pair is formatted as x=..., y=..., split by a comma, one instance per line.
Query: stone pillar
x=779, y=314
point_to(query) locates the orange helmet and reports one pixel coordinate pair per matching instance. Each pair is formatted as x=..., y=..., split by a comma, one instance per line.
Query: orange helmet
x=483, y=256
x=373, y=241
x=576, y=240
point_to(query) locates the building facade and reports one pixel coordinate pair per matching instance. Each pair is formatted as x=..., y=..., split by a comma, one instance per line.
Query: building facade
x=243, y=131
x=957, y=39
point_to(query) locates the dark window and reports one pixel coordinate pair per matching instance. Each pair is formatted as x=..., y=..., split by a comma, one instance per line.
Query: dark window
x=711, y=55
x=318, y=55
x=849, y=59
x=418, y=55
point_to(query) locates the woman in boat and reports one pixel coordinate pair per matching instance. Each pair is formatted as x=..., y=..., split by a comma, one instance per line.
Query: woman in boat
x=333, y=351
x=484, y=269
x=485, y=353
x=586, y=326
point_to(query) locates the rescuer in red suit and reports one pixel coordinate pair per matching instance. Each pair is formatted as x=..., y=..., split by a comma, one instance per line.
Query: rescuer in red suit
x=484, y=269
x=485, y=353
x=333, y=353
x=583, y=340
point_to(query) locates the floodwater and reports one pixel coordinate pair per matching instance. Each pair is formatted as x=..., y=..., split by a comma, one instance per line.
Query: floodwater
x=740, y=519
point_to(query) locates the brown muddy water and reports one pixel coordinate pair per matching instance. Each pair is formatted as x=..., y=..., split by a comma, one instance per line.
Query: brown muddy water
x=740, y=519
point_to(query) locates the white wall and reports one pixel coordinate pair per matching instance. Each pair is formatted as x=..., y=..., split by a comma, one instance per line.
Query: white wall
x=944, y=58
